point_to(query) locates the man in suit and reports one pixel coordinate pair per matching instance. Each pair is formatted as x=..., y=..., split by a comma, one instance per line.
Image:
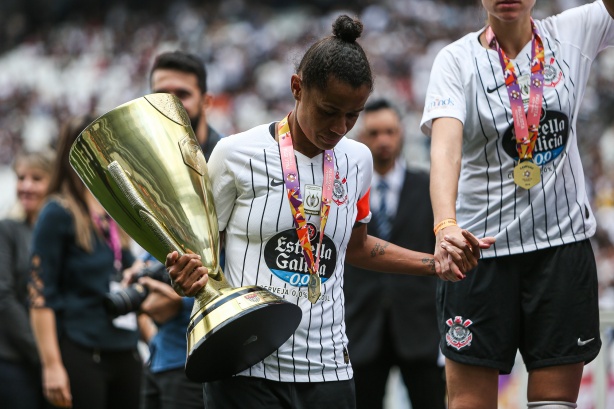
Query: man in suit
x=391, y=319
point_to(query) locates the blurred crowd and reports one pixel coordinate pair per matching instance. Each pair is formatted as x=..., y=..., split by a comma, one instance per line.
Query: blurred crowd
x=94, y=61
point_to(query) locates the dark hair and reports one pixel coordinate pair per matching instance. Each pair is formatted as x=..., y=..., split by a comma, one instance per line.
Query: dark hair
x=184, y=62
x=339, y=56
x=64, y=176
x=381, y=103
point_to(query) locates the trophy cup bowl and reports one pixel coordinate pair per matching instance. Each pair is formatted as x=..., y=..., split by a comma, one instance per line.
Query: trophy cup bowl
x=142, y=162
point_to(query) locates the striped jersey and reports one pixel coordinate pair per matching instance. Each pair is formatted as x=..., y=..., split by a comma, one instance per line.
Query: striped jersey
x=262, y=246
x=467, y=83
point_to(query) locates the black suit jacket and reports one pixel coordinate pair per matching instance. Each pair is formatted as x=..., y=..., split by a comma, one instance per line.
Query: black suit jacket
x=407, y=302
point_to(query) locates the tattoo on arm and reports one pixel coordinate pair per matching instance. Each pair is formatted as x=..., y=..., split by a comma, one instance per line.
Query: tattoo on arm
x=430, y=262
x=379, y=249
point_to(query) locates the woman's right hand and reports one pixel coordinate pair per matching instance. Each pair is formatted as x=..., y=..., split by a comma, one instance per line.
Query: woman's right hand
x=56, y=385
x=187, y=273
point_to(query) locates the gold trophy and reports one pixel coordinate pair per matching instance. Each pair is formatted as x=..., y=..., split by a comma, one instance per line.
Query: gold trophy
x=142, y=162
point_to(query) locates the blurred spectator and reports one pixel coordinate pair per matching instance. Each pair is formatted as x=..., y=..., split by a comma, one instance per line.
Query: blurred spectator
x=78, y=252
x=20, y=385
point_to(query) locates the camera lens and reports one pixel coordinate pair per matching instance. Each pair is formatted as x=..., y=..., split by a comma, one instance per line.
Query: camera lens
x=125, y=301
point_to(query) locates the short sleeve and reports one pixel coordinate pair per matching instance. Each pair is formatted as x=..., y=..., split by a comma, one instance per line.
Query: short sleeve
x=223, y=183
x=445, y=96
x=363, y=214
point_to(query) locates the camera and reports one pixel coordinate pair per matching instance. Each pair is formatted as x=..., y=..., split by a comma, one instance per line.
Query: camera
x=130, y=299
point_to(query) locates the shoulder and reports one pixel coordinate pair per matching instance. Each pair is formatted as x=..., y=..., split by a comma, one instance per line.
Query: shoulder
x=357, y=151
x=55, y=210
x=459, y=48
x=253, y=138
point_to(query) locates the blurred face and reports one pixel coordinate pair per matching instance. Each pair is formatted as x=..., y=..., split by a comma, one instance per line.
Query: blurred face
x=32, y=184
x=382, y=134
x=325, y=116
x=185, y=87
x=508, y=10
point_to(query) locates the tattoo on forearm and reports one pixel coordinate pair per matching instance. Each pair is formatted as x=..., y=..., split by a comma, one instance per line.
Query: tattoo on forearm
x=379, y=249
x=430, y=262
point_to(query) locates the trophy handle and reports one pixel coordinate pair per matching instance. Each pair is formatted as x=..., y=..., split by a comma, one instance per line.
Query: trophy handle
x=217, y=280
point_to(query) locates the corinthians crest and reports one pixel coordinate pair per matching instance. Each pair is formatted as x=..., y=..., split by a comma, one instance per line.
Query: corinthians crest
x=340, y=195
x=459, y=336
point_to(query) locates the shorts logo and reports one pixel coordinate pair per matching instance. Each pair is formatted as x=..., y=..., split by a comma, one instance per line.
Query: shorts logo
x=340, y=195
x=458, y=335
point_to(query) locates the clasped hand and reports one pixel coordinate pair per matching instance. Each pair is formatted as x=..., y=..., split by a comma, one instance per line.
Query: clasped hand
x=457, y=251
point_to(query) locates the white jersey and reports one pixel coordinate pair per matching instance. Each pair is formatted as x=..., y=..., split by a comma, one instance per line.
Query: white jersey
x=467, y=83
x=262, y=245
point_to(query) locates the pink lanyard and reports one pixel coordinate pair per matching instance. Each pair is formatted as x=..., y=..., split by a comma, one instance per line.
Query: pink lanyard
x=525, y=125
x=112, y=239
x=293, y=189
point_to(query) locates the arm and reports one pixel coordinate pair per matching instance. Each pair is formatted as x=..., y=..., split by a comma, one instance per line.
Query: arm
x=446, y=154
x=609, y=5
x=13, y=315
x=162, y=303
x=371, y=253
x=56, y=385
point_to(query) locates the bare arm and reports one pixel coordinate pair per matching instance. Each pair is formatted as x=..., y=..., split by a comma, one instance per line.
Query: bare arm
x=56, y=385
x=446, y=154
x=609, y=5
x=371, y=253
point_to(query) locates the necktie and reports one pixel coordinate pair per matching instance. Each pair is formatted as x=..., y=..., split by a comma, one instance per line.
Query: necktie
x=383, y=220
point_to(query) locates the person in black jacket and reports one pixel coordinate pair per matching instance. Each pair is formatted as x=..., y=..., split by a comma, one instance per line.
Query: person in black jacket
x=391, y=319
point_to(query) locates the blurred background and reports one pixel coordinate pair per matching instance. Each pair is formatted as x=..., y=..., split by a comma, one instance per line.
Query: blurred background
x=65, y=57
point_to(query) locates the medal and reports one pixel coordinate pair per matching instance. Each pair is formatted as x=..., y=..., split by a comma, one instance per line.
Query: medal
x=313, y=288
x=317, y=203
x=525, y=88
x=527, y=174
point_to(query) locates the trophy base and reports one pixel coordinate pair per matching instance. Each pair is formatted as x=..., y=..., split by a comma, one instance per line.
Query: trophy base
x=237, y=330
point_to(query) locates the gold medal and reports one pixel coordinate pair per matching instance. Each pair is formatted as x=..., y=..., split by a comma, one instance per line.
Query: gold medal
x=527, y=174
x=313, y=288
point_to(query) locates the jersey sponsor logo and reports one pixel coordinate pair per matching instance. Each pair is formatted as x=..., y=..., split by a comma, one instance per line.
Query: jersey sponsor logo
x=283, y=255
x=440, y=103
x=550, y=143
x=552, y=74
x=458, y=335
x=340, y=195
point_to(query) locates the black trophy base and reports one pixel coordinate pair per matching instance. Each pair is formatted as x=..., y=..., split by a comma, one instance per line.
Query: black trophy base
x=247, y=337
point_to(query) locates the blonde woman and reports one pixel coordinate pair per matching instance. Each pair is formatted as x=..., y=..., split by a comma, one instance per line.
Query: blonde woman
x=20, y=386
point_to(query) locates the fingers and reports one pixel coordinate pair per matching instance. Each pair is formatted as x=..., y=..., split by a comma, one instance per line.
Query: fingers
x=454, y=260
x=187, y=273
x=486, y=242
x=59, y=397
x=444, y=266
x=171, y=258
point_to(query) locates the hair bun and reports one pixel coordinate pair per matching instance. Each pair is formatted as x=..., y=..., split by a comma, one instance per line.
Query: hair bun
x=347, y=28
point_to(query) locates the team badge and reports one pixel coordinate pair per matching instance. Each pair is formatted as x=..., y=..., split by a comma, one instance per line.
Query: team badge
x=459, y=335
x=552, y=75
x=340, y=195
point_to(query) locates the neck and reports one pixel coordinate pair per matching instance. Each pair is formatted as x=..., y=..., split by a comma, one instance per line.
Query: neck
x=300, y=141
x=383, y=167
x=512, y=36
x=202, y=132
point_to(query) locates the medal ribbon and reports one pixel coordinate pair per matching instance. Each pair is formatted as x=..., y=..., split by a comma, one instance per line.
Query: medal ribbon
x=293, y=189
x=526, y=125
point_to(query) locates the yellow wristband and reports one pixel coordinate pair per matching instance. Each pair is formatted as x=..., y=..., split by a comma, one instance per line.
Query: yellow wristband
x=443, y=224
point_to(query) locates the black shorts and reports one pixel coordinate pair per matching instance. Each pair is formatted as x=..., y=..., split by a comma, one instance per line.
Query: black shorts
x=543, y=303
x=257, y=393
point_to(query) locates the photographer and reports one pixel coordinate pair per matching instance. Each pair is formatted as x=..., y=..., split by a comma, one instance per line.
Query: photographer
x=163, y=321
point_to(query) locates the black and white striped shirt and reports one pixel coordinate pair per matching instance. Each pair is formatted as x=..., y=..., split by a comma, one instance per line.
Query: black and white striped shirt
x=262, y=246
x=467, y=83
